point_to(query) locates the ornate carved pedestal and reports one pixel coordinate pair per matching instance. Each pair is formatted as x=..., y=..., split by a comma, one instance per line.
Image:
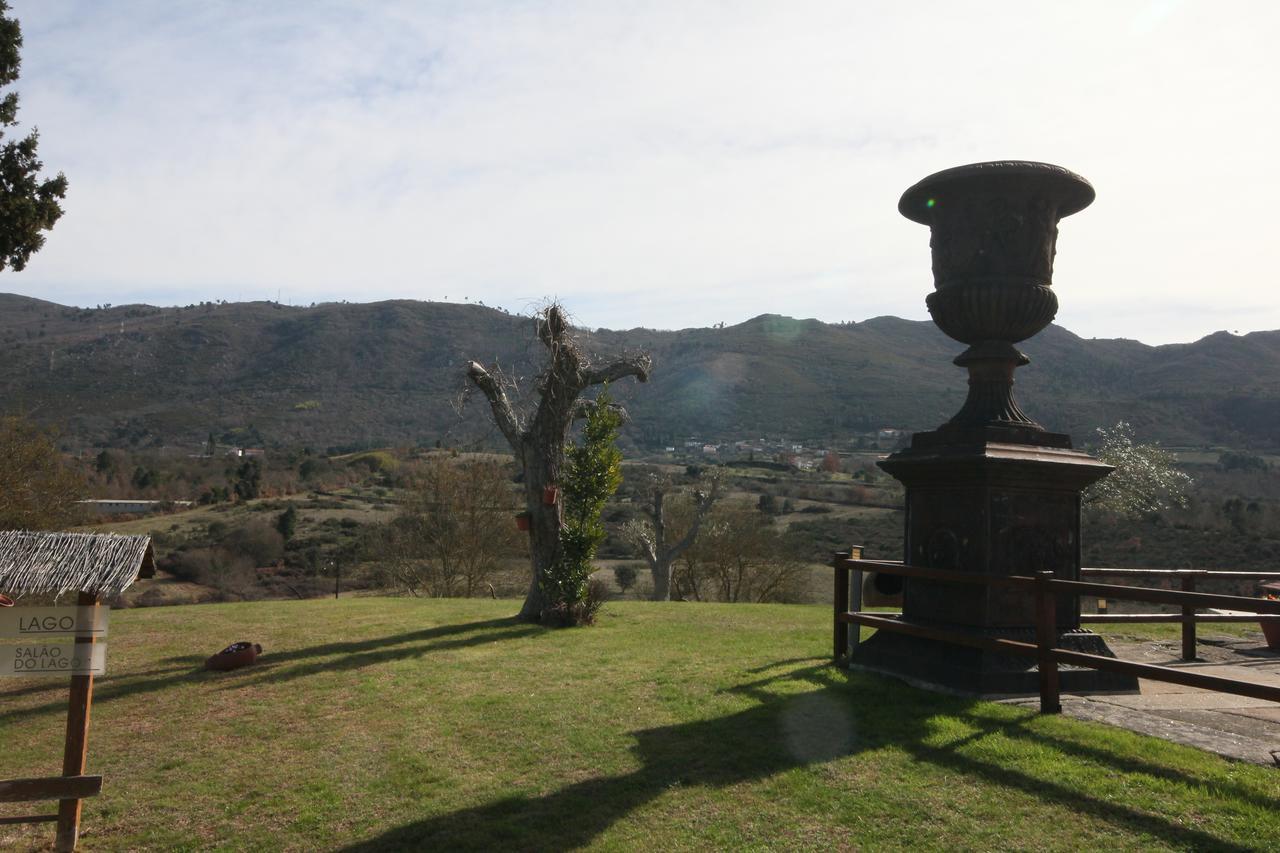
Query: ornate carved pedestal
x=991, y=491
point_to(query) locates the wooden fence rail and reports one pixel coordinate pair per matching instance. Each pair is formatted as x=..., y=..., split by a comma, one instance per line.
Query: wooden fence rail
x=1045, y=587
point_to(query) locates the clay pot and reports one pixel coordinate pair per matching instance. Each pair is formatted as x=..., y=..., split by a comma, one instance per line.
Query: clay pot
x=234, y=656
x=523, y=521
x=1271, y=630
x=550, y=494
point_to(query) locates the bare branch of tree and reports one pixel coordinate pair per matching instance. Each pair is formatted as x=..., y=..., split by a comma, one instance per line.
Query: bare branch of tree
x=503, y=413
x=702, y=502
x=637, y=366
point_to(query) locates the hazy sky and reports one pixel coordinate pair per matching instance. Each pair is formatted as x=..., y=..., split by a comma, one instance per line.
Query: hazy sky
x=658, y=164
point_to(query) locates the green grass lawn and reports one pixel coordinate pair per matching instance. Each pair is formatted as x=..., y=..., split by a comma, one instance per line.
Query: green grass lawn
x=379, y=723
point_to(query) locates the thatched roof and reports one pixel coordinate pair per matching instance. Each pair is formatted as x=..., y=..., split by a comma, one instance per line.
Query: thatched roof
x=100, y=563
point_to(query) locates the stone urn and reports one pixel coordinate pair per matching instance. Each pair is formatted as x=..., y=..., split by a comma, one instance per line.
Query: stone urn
x=994, y=230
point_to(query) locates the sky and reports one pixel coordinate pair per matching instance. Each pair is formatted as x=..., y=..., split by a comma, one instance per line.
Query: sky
x=648, y=164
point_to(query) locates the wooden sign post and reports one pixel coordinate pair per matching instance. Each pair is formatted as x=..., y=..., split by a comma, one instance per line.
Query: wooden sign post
x=96, y=566
x=73, y=785
x=75, y=752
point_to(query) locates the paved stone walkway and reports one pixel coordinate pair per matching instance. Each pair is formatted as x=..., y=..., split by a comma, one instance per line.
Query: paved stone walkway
x=1233, y=726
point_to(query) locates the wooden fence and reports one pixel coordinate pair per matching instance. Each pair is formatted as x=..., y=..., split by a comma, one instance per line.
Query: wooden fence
x=1186, y=579
x=1045, y=588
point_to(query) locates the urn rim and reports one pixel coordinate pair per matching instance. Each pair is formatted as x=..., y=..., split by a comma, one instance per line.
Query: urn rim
x=1074, y=193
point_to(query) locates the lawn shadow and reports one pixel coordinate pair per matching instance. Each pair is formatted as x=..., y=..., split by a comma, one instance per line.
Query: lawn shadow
x=274, y=667
x=341, y=656
x=843, y=715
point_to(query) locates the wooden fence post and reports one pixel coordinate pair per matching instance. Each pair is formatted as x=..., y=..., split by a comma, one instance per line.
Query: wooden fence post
x=856, y=577
x=76, y=750
x=1046, y=637
x=1188, y=620
x=840, y=631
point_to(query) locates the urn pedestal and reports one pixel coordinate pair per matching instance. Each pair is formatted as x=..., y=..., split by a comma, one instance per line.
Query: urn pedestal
x=991, y=491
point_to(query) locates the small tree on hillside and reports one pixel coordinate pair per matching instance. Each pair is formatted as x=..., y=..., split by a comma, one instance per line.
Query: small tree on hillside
x=287, y=521
x=248, y=484
x=28, y=204
x=538, y=438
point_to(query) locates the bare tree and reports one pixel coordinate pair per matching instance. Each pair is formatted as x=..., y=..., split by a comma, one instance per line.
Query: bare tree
x=453, y=530
x=740, y=556
x=538, y=438
x=657, y=538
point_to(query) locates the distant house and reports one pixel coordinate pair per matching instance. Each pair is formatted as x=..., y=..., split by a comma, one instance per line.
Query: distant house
x=710, y=449
x=125, y=506
x=888, y=438
x=246, y=451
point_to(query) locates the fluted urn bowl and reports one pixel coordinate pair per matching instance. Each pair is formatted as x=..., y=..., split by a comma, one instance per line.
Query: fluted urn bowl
x=994, y=230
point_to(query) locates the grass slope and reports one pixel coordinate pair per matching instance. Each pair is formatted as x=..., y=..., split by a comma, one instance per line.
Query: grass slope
x=377, y=724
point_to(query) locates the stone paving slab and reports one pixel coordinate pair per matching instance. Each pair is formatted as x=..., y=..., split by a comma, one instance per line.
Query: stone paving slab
x=1269, y=714
x=1211, y=737
x=1236, y=727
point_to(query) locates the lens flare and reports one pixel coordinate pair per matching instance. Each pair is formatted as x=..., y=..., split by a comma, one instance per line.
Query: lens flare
x=931, y=202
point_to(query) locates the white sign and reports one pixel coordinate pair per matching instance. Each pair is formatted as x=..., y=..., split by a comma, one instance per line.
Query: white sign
x=53, y=659
x=45, y=622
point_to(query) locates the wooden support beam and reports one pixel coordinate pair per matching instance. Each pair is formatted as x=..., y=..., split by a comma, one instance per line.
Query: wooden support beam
x=76, y=751
x=34, y=818
x=1046, y=638
x=1188, y=620
x=49, y=788
x=840, y=600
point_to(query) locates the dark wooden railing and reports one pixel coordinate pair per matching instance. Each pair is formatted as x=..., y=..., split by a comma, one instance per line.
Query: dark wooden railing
x=1186, y=579
x=1045, y=587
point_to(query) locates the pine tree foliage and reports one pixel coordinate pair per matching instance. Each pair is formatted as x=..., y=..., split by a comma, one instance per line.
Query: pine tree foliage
x=28, y=203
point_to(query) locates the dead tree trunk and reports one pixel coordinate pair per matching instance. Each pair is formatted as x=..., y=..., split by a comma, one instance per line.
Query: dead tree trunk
x=538, y=439
x=652, y=537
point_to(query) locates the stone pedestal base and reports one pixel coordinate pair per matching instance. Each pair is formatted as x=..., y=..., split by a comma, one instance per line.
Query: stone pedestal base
x=963, y=669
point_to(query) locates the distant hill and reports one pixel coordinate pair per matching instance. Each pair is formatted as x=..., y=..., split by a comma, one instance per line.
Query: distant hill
x=340, y=374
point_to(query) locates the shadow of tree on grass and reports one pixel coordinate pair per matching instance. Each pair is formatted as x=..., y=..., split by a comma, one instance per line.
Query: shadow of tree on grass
x=274, y=667
x=843, y=715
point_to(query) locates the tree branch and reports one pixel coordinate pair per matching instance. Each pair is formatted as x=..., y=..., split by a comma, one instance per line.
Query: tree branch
x=702, y=505
x=641, y=536
x=503, y=413
x=639, y=367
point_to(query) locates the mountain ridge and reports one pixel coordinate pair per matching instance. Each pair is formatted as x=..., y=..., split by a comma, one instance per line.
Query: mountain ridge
x=393, y=372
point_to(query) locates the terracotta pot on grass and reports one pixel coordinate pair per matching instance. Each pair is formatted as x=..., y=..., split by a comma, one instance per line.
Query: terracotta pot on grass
x=522, y=521
x=234, y=656
x=1271, y=630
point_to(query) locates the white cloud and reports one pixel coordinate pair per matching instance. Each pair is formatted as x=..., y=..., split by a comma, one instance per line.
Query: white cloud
x=681, y=164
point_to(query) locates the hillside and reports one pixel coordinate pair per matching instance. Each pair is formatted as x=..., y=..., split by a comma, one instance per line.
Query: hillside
x=341, y=374
x=376, y=724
